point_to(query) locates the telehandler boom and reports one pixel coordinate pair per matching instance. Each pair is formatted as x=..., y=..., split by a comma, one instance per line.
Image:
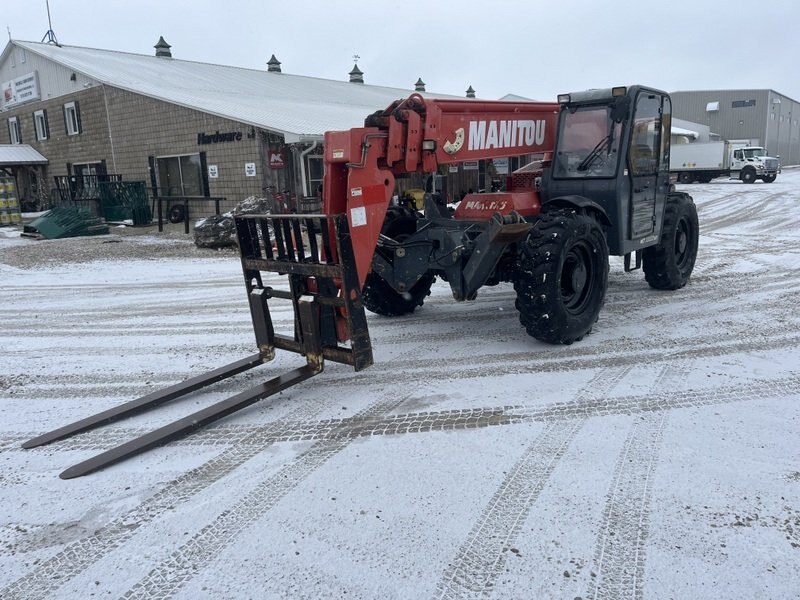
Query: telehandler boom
x=598, y=185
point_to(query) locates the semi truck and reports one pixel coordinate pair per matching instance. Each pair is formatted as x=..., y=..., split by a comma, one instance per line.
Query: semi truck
x=738, y=159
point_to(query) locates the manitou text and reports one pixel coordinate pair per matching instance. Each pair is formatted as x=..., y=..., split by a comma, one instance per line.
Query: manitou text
x=484, y=135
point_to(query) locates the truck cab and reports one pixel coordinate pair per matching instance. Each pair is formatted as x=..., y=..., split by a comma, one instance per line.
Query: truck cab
x=752, y=162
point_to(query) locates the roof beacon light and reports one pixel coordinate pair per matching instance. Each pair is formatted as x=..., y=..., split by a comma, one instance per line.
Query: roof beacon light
x=563, y=98
x=619, y=91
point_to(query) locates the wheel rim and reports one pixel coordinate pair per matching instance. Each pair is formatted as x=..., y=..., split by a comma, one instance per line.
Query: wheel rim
x=577, y=278
x=682, y=250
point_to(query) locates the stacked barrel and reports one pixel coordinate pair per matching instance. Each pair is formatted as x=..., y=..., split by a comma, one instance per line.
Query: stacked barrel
x=9, y=202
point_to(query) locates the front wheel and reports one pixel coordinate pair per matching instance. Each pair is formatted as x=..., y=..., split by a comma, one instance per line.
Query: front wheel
x=769, y=178
x=378, y=296
x=563, y=276
x=748, y=175
x=668, y=265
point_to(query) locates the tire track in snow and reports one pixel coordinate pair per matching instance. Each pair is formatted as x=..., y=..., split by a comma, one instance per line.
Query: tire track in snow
x=76, y=557
x=81, y=554
x=638, y=352
x=481, y=558
x=619, y=560
x=618, y=567
x=172, y=574
x=752, y=211
x=756, y=282
x=421, y=422
x=616, y=352
x=185, y=562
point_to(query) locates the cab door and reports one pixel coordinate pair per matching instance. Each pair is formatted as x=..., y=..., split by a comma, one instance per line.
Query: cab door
x=645, y=158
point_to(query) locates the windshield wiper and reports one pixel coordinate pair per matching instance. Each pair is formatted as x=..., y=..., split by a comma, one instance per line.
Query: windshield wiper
x=596, y=151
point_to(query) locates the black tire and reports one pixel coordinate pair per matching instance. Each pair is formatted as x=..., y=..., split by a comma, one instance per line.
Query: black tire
x=563, y=276
x=748, y=175
x=685, y=177
x=378, y=296
x=669, y=264
x=769, y=178
x=705, y=179
x=177, y=213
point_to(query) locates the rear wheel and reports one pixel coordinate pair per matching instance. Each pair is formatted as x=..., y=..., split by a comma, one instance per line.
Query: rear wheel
x=668, y=265
x=748, y=175
x=378, y=296
x=685, y=177
x=563, y=276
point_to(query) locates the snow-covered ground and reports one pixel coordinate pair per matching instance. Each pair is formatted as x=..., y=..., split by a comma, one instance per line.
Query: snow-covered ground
x=657, y=458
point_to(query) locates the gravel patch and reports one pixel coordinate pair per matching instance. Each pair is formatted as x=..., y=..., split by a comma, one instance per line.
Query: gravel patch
x=122, y=243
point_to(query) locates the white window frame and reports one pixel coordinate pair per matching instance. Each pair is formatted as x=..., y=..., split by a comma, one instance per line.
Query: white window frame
x=13, y=130
x=73, y=128
x=40, y=124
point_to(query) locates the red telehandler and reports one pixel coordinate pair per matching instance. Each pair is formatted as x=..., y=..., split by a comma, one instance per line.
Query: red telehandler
x=600, y=186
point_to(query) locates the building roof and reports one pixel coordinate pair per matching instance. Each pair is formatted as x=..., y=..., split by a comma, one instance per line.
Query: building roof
x=300, y=108
x=682, y=131
x=516, y=98
x=732, y=91
x=19, y=154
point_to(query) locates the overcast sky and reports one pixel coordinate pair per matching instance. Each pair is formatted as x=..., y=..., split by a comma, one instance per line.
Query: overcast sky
x=533, y=48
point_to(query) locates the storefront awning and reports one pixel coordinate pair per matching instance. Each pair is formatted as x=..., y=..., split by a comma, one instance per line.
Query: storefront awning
x=15, y=155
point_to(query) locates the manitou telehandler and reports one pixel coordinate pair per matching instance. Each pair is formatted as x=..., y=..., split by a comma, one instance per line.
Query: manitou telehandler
x=599, y=186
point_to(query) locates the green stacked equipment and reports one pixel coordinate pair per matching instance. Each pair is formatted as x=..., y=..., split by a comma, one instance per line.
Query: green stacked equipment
x=63, y=222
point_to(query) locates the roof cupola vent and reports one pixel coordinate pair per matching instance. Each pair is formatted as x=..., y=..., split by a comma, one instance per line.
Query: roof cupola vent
x=162, y=48
x=273, y=65
x=356, y=75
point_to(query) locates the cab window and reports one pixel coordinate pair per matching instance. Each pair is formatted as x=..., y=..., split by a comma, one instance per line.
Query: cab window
x=588, y=143
x=645, y=136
